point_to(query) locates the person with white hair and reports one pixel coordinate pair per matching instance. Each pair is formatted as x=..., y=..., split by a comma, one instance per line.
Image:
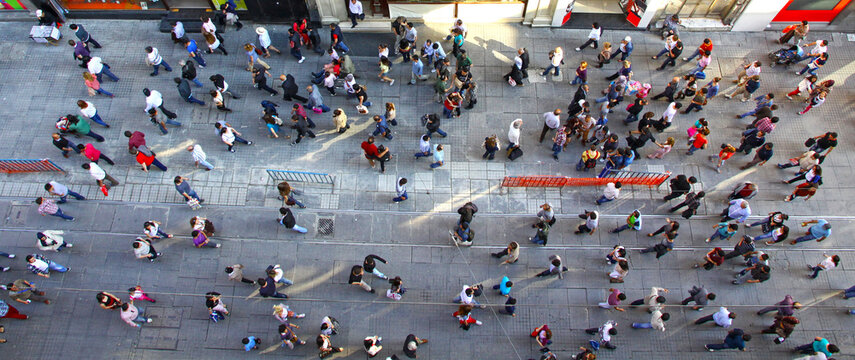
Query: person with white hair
x=625, y=49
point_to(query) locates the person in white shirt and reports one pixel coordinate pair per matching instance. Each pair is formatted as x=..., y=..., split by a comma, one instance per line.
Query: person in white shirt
x=98, y=68
x=355, y=12
x=830, y=262
x=58, y=189
x=208, y=25
x=133, y=315
x=606, y=332
x=457, y=25
x=819, y=47
x=88, y=110
x=382, y=51
x=264, y=41
x=154, y=99
x=229, y=135
x=514, y=134
x=329, y=82
x=556, y=58
x=199, y=157
x=99, y=175
x=424, y=147
x=551, y=121
x=372, y=345
x=154, y=60
x=667, y=117
x=593, y=37
x=467, y=297
x=722, y=317
x=747, y=72
x=51, y=240
x=653, y=300
x=610, y=193
x=657, y=321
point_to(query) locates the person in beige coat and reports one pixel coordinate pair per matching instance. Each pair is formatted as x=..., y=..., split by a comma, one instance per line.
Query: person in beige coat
x=340, y=121
x=51, y=240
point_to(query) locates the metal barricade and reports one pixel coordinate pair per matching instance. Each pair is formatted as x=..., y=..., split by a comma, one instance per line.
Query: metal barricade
x=300, y=176
x=625, y=177
x=28, y=165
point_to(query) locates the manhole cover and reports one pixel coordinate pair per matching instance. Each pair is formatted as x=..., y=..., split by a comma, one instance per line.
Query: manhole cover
x=326, y=226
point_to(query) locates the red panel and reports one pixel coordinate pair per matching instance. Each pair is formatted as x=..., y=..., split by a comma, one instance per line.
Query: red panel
x=825, y=16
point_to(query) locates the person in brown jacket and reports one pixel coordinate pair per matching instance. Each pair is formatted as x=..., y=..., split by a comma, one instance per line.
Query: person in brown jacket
x=783, y=327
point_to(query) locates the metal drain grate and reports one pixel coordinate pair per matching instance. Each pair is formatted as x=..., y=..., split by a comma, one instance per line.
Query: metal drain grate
x=326, y=226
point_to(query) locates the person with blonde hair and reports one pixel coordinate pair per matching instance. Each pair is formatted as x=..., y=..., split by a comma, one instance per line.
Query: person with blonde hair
x=93, y=85
x=282, y=312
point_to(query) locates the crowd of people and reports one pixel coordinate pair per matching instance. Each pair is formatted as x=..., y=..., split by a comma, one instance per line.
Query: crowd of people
x=455, y=89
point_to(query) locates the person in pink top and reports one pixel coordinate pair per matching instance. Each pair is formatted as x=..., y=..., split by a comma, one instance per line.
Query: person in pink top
x=93, y=154
x=94, y=85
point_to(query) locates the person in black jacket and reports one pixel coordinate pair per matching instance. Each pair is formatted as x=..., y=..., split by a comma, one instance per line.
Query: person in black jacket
x=220, y=83
x=302, y=128
x=260, y=81
x=672, y=55
x=692, y=202
x=288, y=220
x=185, y=92
x=411, y=345
x=680, y=186
x=433, y=126
x=369, y=265
x=670, y=90
x=188, y=71
x=290, y=88
x=523, y=53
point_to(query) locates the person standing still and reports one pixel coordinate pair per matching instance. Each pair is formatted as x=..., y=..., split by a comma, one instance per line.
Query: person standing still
x=354, y=12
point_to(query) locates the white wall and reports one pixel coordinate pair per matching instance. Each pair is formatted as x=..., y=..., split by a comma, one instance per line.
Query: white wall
x=758, y=14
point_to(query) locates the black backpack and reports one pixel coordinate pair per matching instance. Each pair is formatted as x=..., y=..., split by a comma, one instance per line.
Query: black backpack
x=516, y=153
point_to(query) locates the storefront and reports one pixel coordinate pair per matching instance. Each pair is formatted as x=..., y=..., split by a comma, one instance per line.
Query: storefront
x=823, y=11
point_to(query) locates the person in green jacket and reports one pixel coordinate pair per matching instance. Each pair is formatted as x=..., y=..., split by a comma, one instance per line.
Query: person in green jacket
x=542, y=235
x=81, y=127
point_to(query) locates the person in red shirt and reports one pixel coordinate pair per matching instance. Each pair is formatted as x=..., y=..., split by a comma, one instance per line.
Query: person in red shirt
x=135, y=140
x=373, y=153
x=700, y=141
x=806, y=189
x=452, y=105
x=91, y=153
x=713, y=258
x=705, y=46
x=147, y=160
x=726, y=152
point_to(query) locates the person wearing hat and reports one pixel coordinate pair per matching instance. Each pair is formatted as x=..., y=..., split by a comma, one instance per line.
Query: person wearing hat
x=264, y=42
x=625, y=49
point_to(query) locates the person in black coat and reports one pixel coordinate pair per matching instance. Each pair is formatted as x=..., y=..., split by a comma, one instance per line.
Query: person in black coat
x=523, y=53
x=302, y=128
x=581, y=94
x=290, y=88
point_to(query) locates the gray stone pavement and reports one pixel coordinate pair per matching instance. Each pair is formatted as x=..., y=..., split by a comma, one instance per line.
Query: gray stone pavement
x=365, y=217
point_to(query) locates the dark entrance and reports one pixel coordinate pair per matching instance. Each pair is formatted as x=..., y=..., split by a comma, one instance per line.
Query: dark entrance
x=277, y=10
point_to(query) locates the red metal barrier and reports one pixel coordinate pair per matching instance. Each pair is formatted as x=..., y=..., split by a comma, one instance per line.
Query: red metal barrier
x=625, y=177
x=28, y=165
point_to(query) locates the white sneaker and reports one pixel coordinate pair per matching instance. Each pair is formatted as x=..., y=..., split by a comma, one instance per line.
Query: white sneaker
x=301, y=60
x=11, y=256
x=299, y=316
x=478, y=322
x=218, y=245
x=148, y=320
x=392, y=82
x=578, y=49
x=69, y=245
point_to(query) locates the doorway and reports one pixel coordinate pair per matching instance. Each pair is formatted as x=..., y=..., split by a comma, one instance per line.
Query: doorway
x=281, y=11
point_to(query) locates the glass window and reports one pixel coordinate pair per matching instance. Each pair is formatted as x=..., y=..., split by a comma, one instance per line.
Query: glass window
x=822, y=5
x=11, y=5
x=113, y=4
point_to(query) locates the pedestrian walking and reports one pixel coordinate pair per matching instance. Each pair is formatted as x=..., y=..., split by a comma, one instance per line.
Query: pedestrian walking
x=796, y=31
x=464, y=317
x=316, y=101
x=229, y=136
x=200, y=240
x=819, y=346
x=288, y=336
x=438, y=156
x=819, y=231
x=287, y=219
x=290, y=88
x=133, y=315
x=57, y=189
x=828, y=263
x=100, y=175
x=735, y=339
x=88, y=110
x=235, y=273
x=542, y=235
x=814, y=101
x=400, y=190
x=610, y=193
x=137, y=293
x=355, y=278
x=804, y=88
x=81, y=51
x=512, y=251
x=51, y=240
x=713, y=258
x=613, y=300
x=556, y=59
x=633, y=221
x=372, y=153
x=154, y=60
x=785, y=307
x=152, y=230
x=267, y=288
x=591, y=223
x=90, y=152
x=700, y=296
x=94, y=85
x=64, y=145
x=144, y=249
x=49, y=207
x=81, y=127
x=556, y=267
x=98, y=68
x=182, y=185
x=147, y=159
x=154, y=100
x=783, y=327
x=593, y=37
x=657, y=321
